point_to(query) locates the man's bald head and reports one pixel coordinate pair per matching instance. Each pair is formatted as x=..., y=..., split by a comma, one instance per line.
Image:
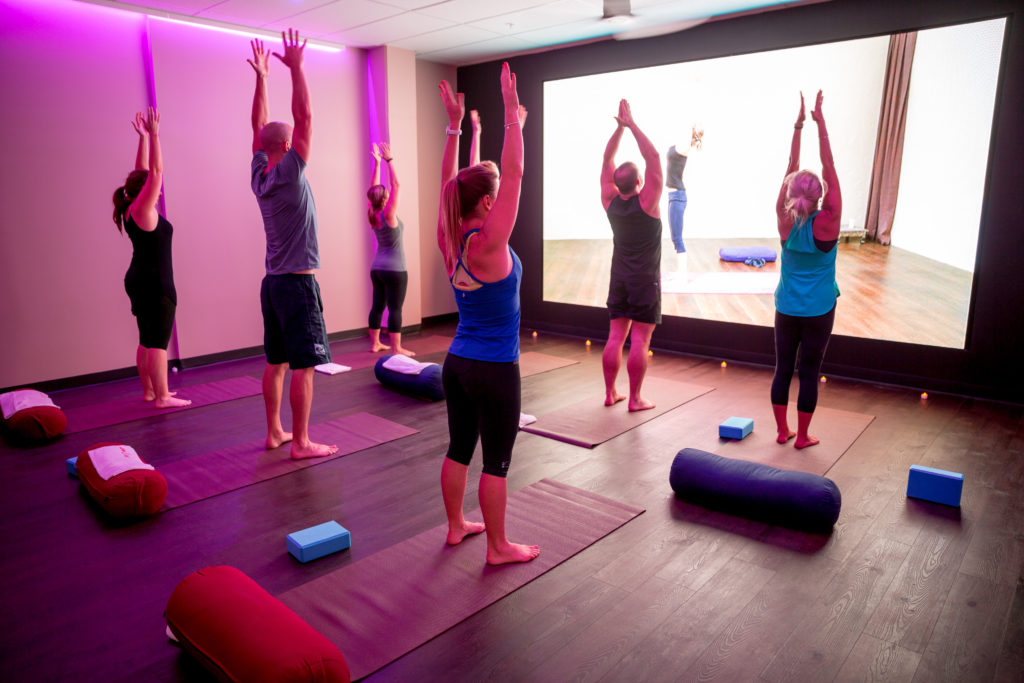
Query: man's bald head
x=276, y=137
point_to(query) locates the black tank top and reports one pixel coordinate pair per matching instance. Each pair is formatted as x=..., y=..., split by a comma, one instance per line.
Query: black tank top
x=150, y=270
x=637, y=240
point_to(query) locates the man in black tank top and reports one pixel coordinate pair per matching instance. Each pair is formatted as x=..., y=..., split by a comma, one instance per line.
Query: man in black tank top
x=634, y=293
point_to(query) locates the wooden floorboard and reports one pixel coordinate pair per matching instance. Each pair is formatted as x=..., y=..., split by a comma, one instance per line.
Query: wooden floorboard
x=901, y=590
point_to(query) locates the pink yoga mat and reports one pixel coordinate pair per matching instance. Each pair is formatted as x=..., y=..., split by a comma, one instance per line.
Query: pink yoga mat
x=134, y=408
x=227, y=469
x=534, y=363
x=381, y=607
x=421, y=346
x=590, y=422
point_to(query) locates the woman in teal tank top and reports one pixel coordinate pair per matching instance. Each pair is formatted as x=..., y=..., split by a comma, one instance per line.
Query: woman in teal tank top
x=481, y=372
x=805, y=300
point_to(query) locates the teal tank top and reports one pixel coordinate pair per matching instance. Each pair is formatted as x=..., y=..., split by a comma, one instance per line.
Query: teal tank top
x=807, y=285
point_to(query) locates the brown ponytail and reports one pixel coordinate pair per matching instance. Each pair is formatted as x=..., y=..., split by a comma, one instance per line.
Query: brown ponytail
x=377, y=196
x=459, y=198
x=126, y=194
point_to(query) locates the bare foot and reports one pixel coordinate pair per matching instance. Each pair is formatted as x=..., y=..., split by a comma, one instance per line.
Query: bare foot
x=612, y=397
x=455, y=536
x=171, y=402
x=404, y=352
x=640, y=403
x=379, y=347
x=152, y=396
x=785, y=436
x=807, y=442
x=312, y=450
x=514, y=552
x=277, y=438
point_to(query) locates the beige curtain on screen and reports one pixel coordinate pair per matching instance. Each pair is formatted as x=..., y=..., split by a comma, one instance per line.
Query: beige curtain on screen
x=885, y=172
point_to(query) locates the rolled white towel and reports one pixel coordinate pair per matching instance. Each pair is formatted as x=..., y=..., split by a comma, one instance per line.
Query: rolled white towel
x=405, y=365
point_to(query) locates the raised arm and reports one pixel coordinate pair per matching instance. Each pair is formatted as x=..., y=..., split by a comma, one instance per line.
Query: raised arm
x=474, y=142
x=260, y=63
x=391, y=208
x=455, y=106
x=489, y=250
x=143, y=209
x=785, y=221
x=650, y=193
x=302, y=109
x=826, y=223
x=375, y=175
x=142, y=153
x=608, y=189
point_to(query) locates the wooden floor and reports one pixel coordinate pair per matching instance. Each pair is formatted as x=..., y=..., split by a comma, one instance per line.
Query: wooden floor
x=887, y=293
x=901, y=590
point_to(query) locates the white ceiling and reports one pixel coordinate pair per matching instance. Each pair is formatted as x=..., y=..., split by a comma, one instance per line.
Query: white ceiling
x=455, y=32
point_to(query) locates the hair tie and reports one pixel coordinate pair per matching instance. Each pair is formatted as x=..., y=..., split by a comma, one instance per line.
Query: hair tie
x=124, y=191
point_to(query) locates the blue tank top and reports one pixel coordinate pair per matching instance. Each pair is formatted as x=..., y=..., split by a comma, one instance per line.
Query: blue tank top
x=390, y=254
x=489, y=316
x=807, y=285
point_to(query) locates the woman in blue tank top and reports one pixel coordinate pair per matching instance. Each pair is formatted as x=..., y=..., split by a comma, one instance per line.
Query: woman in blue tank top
x=387, y=272
x=481, y=371
x=149, y=281
x=805, y=300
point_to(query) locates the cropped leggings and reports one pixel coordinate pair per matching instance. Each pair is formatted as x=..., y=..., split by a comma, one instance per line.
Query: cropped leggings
x=483, y=404
x=388, y=287
x=809, y=336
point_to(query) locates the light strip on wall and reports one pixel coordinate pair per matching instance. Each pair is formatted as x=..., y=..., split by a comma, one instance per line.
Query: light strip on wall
x=247, y=33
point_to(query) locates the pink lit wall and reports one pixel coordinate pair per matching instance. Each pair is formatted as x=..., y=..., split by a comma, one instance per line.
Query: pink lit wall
x=73, y=75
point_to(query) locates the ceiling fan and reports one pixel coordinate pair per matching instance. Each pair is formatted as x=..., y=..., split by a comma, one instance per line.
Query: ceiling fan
x=620, y=13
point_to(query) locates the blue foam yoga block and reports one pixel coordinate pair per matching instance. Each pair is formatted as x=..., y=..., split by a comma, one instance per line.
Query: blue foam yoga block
x=736, y=427
x=938, y=486
x=317, y=541
x=72, y=464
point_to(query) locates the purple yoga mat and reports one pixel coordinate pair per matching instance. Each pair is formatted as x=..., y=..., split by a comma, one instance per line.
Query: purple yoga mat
x=590, y=422
x=210, y=474
x=134, y=408
x=381, y=607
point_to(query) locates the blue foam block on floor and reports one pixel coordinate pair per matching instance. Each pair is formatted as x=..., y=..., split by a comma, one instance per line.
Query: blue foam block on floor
x=317, y=541
x=938, y=486
x=736, y=427
x=72, y=464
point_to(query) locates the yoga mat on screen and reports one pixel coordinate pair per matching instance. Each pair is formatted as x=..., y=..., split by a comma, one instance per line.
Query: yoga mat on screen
x=381, y=607
x=590, y=422
x=134, y=408
x=420, y=346
x=211, y=474
x=837, y=430
x=534, y=363
x=722, y=283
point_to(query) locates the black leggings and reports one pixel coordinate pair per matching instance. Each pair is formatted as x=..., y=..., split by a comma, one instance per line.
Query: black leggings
x=809, y=335
x=388, y=287
x=483, y=403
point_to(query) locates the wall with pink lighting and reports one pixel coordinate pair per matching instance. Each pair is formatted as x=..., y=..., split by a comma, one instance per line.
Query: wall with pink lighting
x=75, y=73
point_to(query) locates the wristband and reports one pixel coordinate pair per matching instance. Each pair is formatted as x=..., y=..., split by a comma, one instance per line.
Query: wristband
x=799, y=127
x=453, y=132
x=387, y=160
x=514, y=123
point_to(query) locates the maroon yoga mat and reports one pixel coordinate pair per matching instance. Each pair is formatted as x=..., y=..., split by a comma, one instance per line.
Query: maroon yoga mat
x=421, y=346
x=134, y=408
x=590, y=422
x=534, y=363
x=210, y=474
x=381, y=607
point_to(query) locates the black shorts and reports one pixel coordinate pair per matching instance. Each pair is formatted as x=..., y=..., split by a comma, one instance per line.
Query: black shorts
x=640, y=301
x=293, y=321
x=155, y=315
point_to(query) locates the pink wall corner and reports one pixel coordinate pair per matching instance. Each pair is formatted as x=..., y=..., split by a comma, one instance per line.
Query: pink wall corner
x=72, y=79
x=435, y=291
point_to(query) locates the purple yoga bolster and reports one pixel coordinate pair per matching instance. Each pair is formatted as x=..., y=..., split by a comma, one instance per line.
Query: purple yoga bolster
x=741, y=254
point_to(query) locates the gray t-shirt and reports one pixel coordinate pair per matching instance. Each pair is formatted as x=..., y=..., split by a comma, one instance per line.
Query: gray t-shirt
x=390, y=255
x=289, y=214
